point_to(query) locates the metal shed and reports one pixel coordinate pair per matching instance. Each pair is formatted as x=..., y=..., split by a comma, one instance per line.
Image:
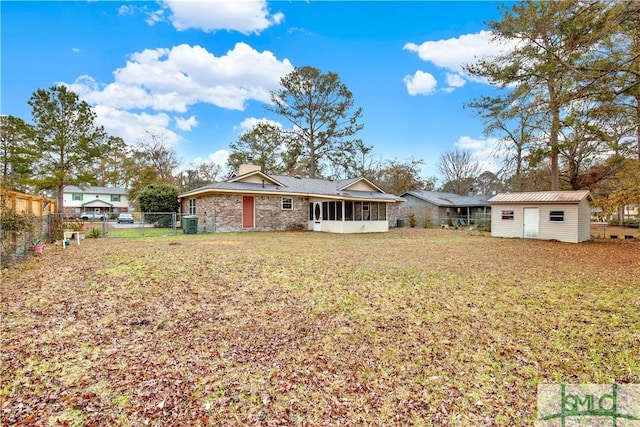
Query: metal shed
x=545, y=215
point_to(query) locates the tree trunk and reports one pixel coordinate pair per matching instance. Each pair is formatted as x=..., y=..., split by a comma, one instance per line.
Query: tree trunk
x=553, y=139
x=61, y=199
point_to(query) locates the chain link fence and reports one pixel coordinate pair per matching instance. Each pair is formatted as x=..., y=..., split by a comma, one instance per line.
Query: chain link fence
x=145, y=224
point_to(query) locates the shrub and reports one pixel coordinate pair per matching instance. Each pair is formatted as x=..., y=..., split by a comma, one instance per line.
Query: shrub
x=95, y=233
x=413, y=221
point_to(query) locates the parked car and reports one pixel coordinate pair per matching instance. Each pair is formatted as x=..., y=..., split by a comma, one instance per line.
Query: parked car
x=125, y=218
x=91, y=215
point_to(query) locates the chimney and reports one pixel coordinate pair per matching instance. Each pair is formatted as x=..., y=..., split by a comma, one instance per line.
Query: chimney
x=471, y=192
x=248, y=167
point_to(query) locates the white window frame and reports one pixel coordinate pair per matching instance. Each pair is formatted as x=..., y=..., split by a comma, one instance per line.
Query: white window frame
x=507, y=215
x=556, y=216
x=192, y=206
x=287, y=201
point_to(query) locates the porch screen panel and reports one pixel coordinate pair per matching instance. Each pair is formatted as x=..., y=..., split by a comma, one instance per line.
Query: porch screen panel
x=339, y=211
x=374, y=211
x=348, y=211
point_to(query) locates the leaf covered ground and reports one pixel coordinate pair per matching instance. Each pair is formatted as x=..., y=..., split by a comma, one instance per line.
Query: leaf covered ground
x=410, y=327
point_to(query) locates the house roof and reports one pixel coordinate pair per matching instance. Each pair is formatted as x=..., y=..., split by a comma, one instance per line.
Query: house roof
x=542, y=197
x=442, y=199
x=298, y=186
x=94, y=190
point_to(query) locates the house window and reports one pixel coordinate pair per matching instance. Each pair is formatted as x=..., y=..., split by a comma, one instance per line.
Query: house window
x=556, y=216
x=507, y=215
x=115, y=197
x=192, y=206
x=287, y=204
x=76, y=196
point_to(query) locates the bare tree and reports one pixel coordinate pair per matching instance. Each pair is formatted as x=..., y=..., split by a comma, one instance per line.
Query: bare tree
x=459, y=170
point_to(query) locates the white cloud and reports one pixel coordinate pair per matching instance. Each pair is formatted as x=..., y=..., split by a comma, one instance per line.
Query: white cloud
x=244, y=16
x=186, y=124
x=174, y=79
x=420, y=83
x=452, y=54
x=154, y=82
x=125, y=10
x=75, y=50
x=251, y=122
x=486, y=151
x=455, y=80
x=132, y=126
x=219, y=157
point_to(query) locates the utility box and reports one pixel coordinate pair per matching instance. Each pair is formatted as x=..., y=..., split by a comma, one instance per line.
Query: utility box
x=189, y=224
x=400, y=223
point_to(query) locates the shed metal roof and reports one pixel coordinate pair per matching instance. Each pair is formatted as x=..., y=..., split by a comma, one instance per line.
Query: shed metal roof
x=541, y=197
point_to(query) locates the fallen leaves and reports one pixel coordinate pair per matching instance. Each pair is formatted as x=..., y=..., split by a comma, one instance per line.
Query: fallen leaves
x=411, y=327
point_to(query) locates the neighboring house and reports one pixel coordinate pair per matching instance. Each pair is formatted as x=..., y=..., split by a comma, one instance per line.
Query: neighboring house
x=547, y=215
x=438, y=208
x=253, y=200
x=111, y=200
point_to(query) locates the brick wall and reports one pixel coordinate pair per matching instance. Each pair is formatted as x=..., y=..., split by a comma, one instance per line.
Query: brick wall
x=226, y=213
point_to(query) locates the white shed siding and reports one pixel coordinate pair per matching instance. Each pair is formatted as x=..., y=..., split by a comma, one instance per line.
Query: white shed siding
x=584, y=215
x=505, y=228
x=565, y=231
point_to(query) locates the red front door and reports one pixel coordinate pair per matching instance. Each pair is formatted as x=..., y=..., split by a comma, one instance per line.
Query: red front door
x=247, y=212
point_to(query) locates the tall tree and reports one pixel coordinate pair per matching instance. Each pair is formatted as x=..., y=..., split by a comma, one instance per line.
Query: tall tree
x=459, y=170
x=263, y=144
x=548, y=39
x=66, y=138
x=155, y=151
x=321, y=109
x=198, y=175
x=397, y=177
x=110, y=169
x=17, y=153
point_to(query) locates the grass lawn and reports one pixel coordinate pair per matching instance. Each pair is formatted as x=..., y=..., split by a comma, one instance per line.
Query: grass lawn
x=411, y=327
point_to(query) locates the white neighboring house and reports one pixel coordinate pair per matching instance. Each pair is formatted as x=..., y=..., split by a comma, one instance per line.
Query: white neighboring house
x=102, y=200
x=546, y=215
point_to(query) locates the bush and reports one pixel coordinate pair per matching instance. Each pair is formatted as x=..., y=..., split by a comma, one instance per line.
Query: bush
x=159, y=198
x=94, y=233
x=413, y=221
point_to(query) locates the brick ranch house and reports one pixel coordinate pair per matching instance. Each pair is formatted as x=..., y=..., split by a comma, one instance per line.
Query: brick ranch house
x=253, y=200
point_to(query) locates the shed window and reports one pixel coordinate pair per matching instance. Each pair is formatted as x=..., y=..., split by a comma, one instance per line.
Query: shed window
x=76, y=196
x=556, y=216
x=192, y=206
x=507, y=215
x=287, y=204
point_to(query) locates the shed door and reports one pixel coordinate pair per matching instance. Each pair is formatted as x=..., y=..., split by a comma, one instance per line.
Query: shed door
x=531, y=223
x=247, y=212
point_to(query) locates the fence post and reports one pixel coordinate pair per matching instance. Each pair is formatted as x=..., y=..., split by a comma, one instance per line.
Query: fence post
x=174, y=219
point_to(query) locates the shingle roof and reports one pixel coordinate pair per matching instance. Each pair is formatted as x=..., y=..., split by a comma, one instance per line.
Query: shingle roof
x=541, y=197
x=439, y=198
x=94, y=190
x=296, y=186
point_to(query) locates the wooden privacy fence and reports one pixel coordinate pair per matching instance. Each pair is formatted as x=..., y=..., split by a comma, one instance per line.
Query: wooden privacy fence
x=27, y=203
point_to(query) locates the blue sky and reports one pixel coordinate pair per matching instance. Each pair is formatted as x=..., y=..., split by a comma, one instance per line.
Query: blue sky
x=200, y=72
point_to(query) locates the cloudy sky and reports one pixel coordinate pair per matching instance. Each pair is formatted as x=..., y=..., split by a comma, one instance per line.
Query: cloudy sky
x=201, y=72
